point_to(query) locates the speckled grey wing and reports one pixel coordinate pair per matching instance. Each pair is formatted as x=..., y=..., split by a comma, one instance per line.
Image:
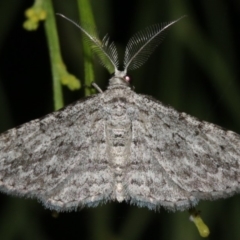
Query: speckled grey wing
x=177, y=160
x=53, y=160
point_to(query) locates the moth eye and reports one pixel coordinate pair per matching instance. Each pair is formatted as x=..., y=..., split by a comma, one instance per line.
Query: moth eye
x=127, y=79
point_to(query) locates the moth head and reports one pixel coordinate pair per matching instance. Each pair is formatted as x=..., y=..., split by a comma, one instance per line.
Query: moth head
x=120, y=78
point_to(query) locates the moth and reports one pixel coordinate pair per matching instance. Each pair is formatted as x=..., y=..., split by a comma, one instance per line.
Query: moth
x=118, y=145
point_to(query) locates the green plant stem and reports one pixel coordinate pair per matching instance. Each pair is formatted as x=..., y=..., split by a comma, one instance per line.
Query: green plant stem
x=86, y=15
x=54, y=51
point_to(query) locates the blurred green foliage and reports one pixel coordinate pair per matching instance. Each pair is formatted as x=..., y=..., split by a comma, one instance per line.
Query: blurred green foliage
x=195, y=69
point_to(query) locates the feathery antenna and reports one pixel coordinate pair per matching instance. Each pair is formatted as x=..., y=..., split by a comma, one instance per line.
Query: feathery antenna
x=138, y=50
x=143, y=43
x=105, y=50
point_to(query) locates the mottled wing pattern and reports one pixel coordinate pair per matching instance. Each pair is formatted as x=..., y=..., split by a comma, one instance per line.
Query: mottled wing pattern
x=119, y=145
x=60, y=159
x=177, y=160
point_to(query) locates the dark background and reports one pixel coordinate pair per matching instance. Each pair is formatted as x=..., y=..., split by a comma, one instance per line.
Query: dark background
x=195, y=69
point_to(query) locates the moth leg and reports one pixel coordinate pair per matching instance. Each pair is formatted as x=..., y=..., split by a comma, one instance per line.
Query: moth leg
x=97, y=87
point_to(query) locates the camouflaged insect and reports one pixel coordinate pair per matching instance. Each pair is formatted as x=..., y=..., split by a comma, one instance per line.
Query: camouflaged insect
x=120, y=146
